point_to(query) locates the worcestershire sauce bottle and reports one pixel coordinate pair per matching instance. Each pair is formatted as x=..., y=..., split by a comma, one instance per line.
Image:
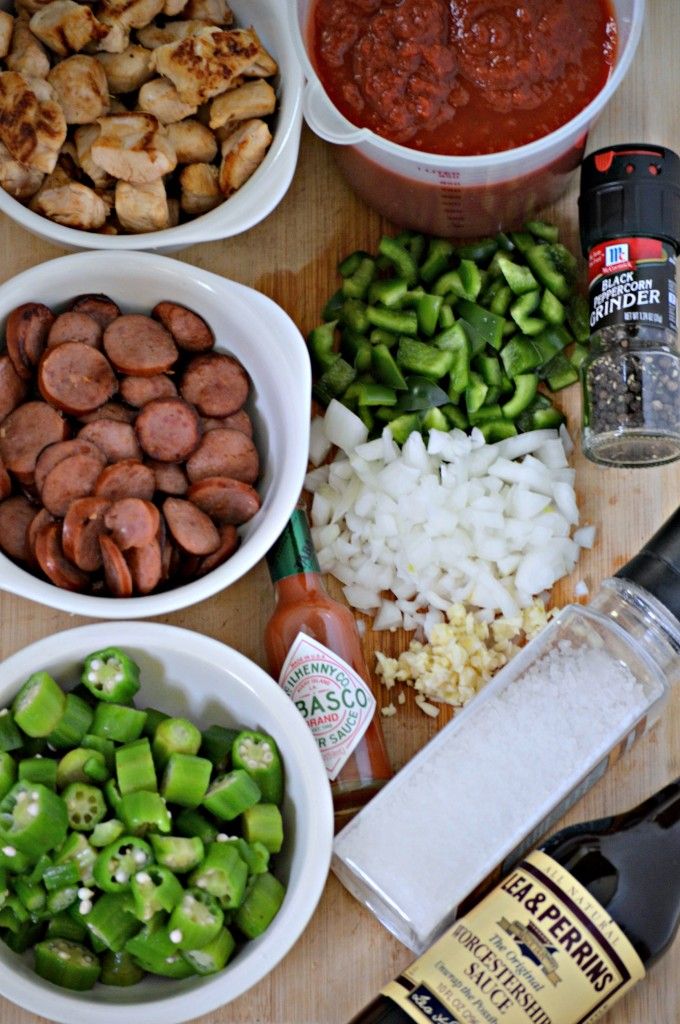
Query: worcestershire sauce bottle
x=568, y=932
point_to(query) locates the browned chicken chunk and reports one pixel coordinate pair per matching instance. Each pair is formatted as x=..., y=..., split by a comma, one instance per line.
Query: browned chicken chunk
x=6, y=29
x=254, y=99
x=21, y=182
x=205, y=64
x=123, y=15
x=32, y=125
x=83, y=139
x=27, y=55
x=153, y=35
x=142, y=207
x=66, y=27
x=192, y=142
x=80, y=85
x=200, y=189
x=214, y=12
x=133, y=147
x=127, y=71
x=242, y=154
x=70, y=203
x=160, y=98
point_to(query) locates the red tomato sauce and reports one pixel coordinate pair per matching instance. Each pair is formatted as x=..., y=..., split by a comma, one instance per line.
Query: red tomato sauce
x=462, y=77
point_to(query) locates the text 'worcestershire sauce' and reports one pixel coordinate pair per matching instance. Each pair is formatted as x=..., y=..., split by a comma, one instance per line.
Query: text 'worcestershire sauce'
x=565, y=935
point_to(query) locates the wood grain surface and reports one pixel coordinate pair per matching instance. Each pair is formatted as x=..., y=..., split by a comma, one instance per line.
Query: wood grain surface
x=344, y=956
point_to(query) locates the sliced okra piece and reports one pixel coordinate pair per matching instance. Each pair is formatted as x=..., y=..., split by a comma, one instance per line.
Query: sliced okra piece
x=85, y=806
x=175, y=736
x=14, y=860
x=191, y=822
x=63, y=926
x=58, y=875
x=119, y=969
x=216, y=744
x=102, y=745
x=196, y=920
x=231, y=794
x=25, y=937
x=31, y=894
x=72, y=766
x=110, y=675
x=8, y=772
x=263, y=824
x=135, y=769
x=106, y=832
x=67, y=964
x=153, y=951
x=143, y=811
x=118, y=722
x=223, y=873
x=255, y=854
x=39, y=705
x=78, y=849
x=119, y=861
x=62, y=898
x=154, y=889
x=39, y=769
x=212, y=957
x=186, y=779
x=154, y=716
x=258, y=755
x=111, y=920
x=13, y=913
x=179, y=853
x=261, y=905
x=33, y=819
x=73, y=725
x=10, y=737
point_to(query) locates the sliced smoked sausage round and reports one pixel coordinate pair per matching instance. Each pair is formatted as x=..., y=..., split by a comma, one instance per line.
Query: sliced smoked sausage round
x=238, y=421
x=110, y=411
x=50, y=557
x=216, y=384
x=229, y=541
x=16, y=515
x=5, y=483
x=13, y=388
x=116, y=571
x=100, y=307
x=117, y=440
x=224, y=453
x=168, y=429
x=26, y=334
x=126, y=479
x=54, y=453
x=74, y=477
x=83, y=525
x=225, y=500
x=24, y=434
x=138, y=391
x=76, y=378
x=133, y=523
x=193, y=530
x=42, y=518
x=170, y=477
x=139, y=346
x=146, y=566
x=190, y=331
x=74, y=326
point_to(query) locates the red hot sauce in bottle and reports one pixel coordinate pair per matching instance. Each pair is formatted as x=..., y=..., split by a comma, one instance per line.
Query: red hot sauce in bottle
x=314, y=651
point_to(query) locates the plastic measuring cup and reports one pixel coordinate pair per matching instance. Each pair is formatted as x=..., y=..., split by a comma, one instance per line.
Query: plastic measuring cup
x=459, y=196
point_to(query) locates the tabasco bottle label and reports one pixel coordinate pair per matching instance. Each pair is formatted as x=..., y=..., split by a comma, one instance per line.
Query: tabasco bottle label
x=335, y=702
x=537, y=950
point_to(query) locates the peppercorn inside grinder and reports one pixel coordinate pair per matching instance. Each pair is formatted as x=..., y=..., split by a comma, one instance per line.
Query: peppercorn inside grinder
x=629, y=212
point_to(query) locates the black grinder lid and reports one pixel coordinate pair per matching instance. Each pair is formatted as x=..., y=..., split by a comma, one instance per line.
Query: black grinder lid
x=630, y=190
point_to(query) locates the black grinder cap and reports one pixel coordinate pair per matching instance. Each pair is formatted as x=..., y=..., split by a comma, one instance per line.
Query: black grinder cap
x=630, y=190
x=656, y=567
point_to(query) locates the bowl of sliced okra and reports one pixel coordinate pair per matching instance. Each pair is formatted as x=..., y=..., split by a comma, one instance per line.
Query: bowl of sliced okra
x=165, y=824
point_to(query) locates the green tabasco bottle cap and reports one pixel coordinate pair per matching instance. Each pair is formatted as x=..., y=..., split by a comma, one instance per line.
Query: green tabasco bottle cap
x=293, y=553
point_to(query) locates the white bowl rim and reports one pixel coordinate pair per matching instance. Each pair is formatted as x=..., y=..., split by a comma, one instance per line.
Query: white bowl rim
x=258, y=196
x=22, y=583
x=58, y=1005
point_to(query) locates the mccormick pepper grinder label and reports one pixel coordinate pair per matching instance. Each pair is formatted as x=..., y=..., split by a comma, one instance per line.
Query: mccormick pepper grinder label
x=538, y=950
x=334, y=701
x=632, y=281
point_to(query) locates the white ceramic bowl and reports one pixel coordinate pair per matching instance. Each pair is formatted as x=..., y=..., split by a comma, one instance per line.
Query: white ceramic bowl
x=254, y=200
x=247, y=325
x=194, y=676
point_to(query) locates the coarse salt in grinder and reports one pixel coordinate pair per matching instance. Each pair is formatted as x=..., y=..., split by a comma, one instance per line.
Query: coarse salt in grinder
x=629, y=212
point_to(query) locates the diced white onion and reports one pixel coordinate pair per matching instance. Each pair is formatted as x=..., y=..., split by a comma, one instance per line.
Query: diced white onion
x=584, y=536
x=319, y=445
x=343, y=427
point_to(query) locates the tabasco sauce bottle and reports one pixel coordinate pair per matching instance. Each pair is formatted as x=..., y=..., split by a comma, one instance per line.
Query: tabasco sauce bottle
x=314, y=651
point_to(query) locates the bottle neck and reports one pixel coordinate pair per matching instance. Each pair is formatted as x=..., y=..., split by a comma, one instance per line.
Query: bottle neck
x=293, y=553
x=645, y=619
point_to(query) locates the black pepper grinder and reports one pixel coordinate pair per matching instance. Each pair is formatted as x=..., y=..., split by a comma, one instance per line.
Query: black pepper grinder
x=629, y=210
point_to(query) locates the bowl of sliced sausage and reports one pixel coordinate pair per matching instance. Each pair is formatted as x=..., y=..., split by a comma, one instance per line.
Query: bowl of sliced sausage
x=151, y=448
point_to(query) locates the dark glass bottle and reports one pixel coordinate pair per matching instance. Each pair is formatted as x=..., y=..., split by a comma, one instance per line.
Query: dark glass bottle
x=629, y=864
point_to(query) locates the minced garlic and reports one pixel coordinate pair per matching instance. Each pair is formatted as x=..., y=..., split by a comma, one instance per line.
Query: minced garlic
x=462, y=654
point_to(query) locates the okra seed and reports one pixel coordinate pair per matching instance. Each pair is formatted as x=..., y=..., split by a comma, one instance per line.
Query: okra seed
x=268, y=757
x=121, y=876
x=5, y=711
x=9, y=851
x=143, y=877
x=33, y=810
x=175, y=935
x=35, y=795
x=171, y=959
x=85, y=907
x=84, y=893
x=221, y=837
x=118, y=678
x=62, y=954
x=139, y=857
x=95, y=664
x=92, y=677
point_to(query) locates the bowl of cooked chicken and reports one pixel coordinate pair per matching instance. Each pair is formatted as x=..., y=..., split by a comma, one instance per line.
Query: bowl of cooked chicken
x=145, y=124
